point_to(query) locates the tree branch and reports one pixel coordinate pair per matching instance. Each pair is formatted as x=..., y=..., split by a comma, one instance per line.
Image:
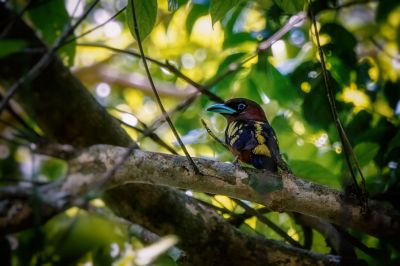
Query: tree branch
x=281, y=193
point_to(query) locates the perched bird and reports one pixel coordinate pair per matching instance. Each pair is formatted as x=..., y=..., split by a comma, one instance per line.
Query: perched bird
x=248, y=135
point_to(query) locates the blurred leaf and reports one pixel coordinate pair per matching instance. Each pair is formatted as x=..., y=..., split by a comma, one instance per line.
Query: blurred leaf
x=54, y=168
x=233, y=34
x=316, y=109
x=392, y=93
x=11, y=46
x=318, y=6
x=385, y=7
x=165, y=260
x=364, y=79
x=101, y=256
x=395, y=142
x=250, y=89
x=231, y=59
x=360, y=123
x=51, y=18
x=218, y=8
x=72, y=237
x=300, y=152
x=342, y=43
x=339, y=36
x=290, y=6
x=235, y=39
x=196, y=11
x=314, y=172
x=307, y=71
x=281, y=125
x=340, y=71
x=366, y=152
x=146, y=14
x=275, y=85
x=319, y=243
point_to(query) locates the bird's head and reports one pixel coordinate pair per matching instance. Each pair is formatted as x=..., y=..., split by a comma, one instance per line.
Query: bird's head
x=239, y=108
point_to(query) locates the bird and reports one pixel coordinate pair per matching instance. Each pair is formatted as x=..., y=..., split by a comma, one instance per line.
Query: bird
x=248, y=134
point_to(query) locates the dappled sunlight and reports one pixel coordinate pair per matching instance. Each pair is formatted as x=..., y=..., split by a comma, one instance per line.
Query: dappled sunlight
x=358, y=98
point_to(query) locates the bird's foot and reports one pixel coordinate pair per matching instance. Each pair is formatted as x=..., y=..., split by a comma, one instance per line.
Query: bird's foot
x=237, y=164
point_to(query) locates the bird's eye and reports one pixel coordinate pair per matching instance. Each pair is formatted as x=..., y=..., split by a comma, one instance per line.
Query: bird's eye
x=241, y=106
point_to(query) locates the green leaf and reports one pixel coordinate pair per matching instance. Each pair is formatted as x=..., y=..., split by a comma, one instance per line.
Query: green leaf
x=345, y=50
x=50, y=19
x=235, y=39
x=385, y=7
x=366, y=152
x=146, y=14
x=395, y=142
x=250, y=89
x=290, y=6
x=281, y=124
x=218, y=8
x=392, y=93
x=340, y=71
x=10, y=46
x=53, y=168
x=315, y=106
x=275, y=85
x=316, y=109
x=164, y=260
x=195, y=13
x=360, y=123
x=314, y=172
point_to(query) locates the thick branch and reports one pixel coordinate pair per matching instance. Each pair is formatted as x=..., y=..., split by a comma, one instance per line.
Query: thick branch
x=208, y=233
x=286, y=192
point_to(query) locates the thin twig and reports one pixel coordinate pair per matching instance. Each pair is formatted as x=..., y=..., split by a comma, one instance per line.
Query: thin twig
x=268, y=223
x=44, y=61
x=348, y=150
x=153, y=136
x=159, y=121
x=383, y=50
x=22, y=122
x=94, y=28
x=213, y=135
x=12, y=141
x=136, y=29
x=293, y=20
x=238, y=219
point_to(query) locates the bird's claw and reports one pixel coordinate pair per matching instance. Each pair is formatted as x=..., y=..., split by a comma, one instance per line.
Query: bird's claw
x=237, y=164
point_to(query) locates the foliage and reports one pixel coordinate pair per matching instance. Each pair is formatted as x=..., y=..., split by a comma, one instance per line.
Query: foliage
x=204, y=40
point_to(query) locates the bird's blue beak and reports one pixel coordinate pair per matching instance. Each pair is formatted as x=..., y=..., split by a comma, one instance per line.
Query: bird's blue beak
x=222, y=109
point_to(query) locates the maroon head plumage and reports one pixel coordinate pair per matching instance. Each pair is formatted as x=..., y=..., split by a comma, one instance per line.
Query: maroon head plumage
x=248, y=133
